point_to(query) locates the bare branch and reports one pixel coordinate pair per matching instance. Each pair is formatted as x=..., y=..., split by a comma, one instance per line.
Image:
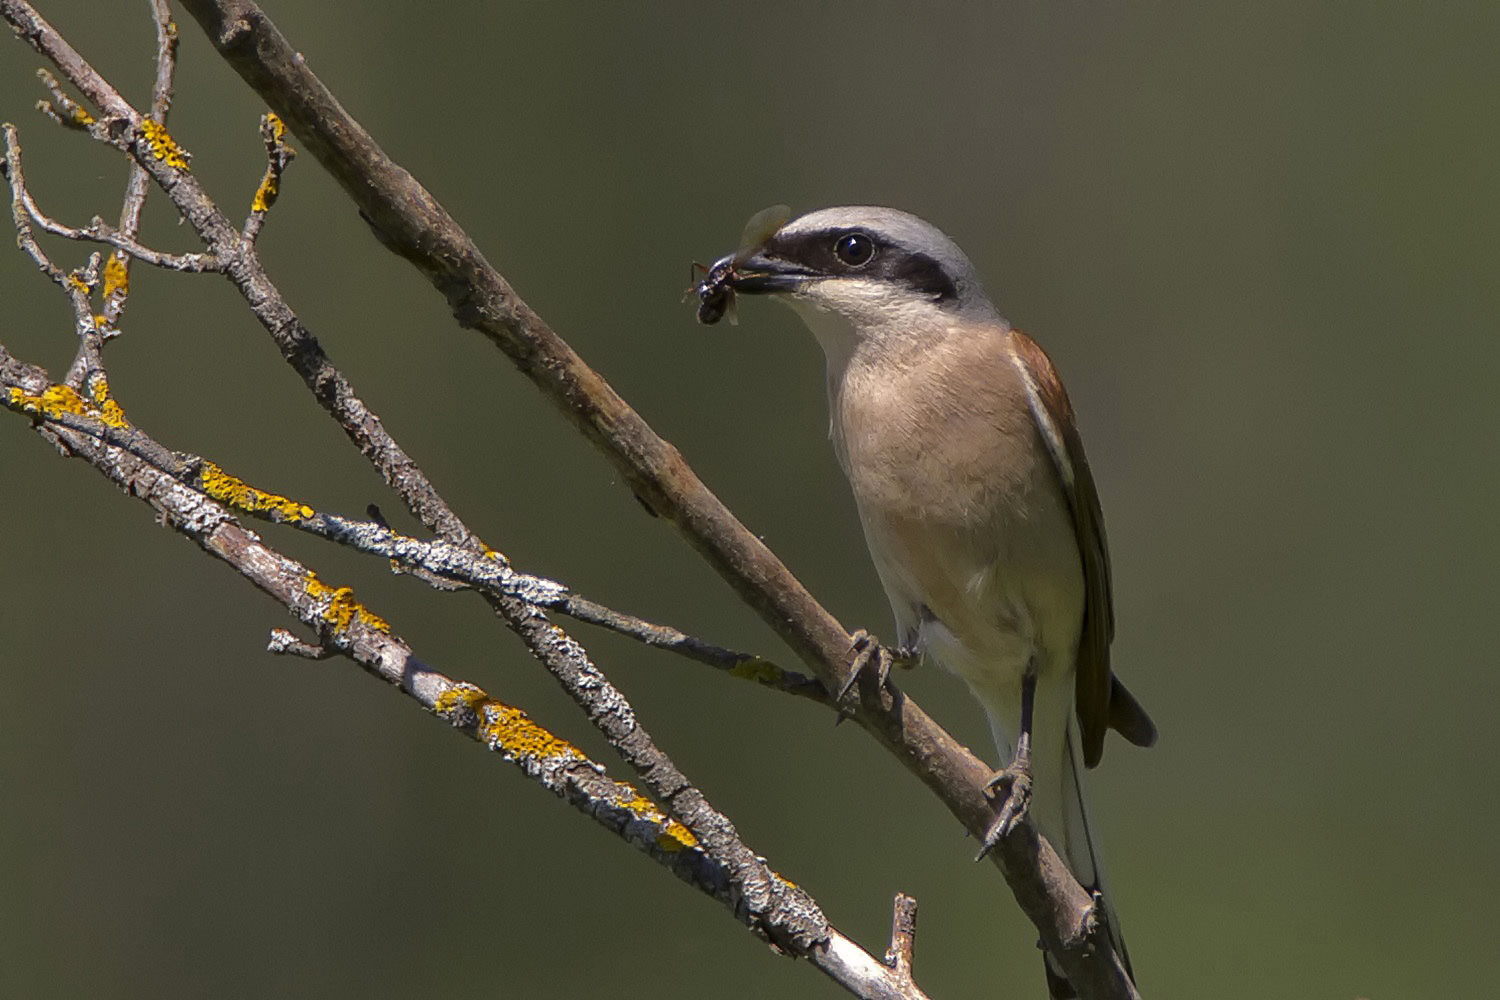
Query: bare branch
x=746, y=666
x=77, y=285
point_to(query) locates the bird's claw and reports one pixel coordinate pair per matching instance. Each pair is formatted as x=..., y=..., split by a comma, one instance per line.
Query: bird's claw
x=1016, y=780
x=1094, y=915
x=869, y=657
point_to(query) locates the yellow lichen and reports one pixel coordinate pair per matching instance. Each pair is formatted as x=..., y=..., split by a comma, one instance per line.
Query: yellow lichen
x=511, y=731
x=57, y=400
x=461, y=695
x=109, y=410
x=116, y=276
x=273, y=129
x=674, y=836
x=339, y=608
x=163, y=146
x=235, y=492
x=78, y=284
x=504, y=727
x=80, y=117
x=265, y=195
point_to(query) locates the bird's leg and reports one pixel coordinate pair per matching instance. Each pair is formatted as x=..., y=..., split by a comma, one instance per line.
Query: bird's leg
x=868, y=656
x=1015, y=776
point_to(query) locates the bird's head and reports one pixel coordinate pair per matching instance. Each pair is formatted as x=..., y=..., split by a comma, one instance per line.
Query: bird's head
x=856, y=273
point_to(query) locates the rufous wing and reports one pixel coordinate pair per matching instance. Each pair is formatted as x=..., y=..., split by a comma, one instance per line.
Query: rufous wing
x=1102, y=701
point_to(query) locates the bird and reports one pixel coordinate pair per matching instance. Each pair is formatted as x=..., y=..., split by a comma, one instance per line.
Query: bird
x=980, y=512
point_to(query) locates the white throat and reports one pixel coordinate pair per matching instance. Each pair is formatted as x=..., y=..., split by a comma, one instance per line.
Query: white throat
x=835, y=333
x=868, y=319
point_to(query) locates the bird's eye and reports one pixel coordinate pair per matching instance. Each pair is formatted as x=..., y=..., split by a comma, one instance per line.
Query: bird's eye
x=854, y=249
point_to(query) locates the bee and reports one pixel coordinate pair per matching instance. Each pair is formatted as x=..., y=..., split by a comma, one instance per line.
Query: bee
x=715, y=290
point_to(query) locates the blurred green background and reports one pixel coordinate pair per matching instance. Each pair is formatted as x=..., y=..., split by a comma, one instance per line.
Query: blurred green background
x=1259, y=244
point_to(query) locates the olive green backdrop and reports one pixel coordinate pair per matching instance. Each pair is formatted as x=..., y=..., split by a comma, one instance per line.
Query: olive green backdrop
x=1259, y=243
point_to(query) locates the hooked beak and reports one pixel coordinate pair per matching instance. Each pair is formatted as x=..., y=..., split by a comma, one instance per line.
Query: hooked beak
x=761, y=274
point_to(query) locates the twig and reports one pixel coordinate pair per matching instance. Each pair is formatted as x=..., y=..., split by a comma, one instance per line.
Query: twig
x=285, y=643
x=62, y=108
x=746, y=666
x=77, y=285
x=903, y=935
x=97, y=231
x=278, y=155
x=117, y=267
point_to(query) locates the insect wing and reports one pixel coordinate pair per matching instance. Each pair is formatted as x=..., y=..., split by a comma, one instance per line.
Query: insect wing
x=759, y=230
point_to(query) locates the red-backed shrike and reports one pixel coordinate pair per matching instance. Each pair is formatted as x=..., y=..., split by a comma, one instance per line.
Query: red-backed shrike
x=977, y=502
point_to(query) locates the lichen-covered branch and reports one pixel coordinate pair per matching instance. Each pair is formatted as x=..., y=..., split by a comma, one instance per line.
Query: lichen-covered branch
x=777, y=910
x=792, y=921
x=346, y=627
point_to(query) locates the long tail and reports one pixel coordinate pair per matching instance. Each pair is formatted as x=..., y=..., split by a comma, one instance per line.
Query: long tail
x=1081, y=851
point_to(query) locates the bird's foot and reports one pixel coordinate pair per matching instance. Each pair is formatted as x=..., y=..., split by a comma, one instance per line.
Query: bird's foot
x=869, y=657
x=1095, y=914
x=1016, y=783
